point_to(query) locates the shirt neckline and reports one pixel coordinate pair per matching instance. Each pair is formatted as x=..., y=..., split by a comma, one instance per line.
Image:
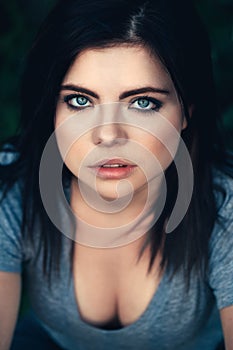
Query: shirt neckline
x=153, y=308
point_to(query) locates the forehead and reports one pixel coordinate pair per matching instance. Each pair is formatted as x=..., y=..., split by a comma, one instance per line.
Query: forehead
x=121, y=65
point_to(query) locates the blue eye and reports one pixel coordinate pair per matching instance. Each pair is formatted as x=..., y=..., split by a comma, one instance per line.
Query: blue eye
x=82, y=101
x=143, y=103
x=146, y=104
x=77, y=101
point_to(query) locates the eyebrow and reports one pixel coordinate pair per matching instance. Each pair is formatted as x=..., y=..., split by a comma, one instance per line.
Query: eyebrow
x=122, y=95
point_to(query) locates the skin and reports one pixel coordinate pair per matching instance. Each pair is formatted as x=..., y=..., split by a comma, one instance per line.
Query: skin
x=227, y=324
x=109, y=72
x=84, y=138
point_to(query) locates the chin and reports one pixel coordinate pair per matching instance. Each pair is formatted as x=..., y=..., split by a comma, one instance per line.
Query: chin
x=117, y=190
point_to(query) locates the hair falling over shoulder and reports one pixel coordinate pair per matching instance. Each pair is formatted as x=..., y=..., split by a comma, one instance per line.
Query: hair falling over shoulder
x=174, y=33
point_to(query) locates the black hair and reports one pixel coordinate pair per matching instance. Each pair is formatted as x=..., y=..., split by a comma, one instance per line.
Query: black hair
x=172, y=31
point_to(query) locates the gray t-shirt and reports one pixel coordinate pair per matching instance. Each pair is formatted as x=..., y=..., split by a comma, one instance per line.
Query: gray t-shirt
x=173, y=320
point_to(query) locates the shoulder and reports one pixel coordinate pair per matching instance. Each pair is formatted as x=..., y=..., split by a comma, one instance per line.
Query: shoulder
x=223, y=191
x=8, y=154
x=11, y=218
x=10, y=193
x=11, y=204
x=221, y=241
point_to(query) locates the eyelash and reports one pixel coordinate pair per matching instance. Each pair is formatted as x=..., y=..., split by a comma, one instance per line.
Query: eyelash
x=66, y=99
x=153, y=100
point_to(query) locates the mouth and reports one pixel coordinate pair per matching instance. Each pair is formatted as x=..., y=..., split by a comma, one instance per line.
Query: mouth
x=113, y=168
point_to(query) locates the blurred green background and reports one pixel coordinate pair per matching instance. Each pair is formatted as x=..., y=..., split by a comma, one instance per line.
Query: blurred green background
x=20, y=20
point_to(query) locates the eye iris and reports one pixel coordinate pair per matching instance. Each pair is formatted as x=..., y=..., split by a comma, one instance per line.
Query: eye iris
x=143, y=103
x=81, y=100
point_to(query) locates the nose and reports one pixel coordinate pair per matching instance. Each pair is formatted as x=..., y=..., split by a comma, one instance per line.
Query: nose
x=108, y=135
x=109, y=132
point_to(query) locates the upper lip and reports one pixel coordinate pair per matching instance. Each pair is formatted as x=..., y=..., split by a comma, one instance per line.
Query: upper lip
x=112, y=161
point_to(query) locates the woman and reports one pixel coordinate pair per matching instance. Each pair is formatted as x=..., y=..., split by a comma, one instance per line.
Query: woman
x=122, y=92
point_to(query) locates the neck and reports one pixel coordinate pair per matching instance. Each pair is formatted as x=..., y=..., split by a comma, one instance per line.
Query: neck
x=111, y=228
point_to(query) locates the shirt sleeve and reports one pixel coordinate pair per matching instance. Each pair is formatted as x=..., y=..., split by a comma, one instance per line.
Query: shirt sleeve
x=221, y=250
x=10, y=231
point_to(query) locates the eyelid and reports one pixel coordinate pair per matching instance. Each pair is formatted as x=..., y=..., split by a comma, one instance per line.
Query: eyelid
x=154, y=100
x=150, y=98
x=69, y=97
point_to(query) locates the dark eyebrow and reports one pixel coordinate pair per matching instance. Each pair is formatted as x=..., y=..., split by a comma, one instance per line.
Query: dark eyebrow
x=143, y=90
x=79, y=89
x=122, y=96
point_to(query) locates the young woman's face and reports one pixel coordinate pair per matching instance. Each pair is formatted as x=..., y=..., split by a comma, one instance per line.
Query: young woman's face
x=114, y=103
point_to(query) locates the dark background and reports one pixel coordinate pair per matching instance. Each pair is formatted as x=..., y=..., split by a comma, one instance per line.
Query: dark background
x=20, y=20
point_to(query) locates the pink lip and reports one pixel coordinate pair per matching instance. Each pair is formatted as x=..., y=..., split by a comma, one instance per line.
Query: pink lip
x=112, y=161
x=113, y=173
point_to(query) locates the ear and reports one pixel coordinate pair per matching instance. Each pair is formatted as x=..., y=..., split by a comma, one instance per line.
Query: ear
x=190, y=109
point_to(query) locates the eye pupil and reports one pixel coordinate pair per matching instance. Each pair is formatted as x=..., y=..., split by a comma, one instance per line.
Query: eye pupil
x=81, y=100
x=143, y=103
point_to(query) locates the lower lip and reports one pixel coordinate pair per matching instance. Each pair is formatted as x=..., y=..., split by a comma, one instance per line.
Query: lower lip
x=114, y=173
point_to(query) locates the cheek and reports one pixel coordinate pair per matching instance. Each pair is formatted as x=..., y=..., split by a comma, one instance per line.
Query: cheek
x=78, y=151
x=159, y=151
x=164, y=145
x=162, y=154
x=72, y=144
x=74, y=154
x=61, y=114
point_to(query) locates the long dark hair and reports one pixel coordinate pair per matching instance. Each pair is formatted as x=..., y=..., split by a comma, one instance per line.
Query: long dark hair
x=172, y=31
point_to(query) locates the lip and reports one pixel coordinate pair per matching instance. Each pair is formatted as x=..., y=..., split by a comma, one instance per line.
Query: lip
x=122, y=172
x=108, y=161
